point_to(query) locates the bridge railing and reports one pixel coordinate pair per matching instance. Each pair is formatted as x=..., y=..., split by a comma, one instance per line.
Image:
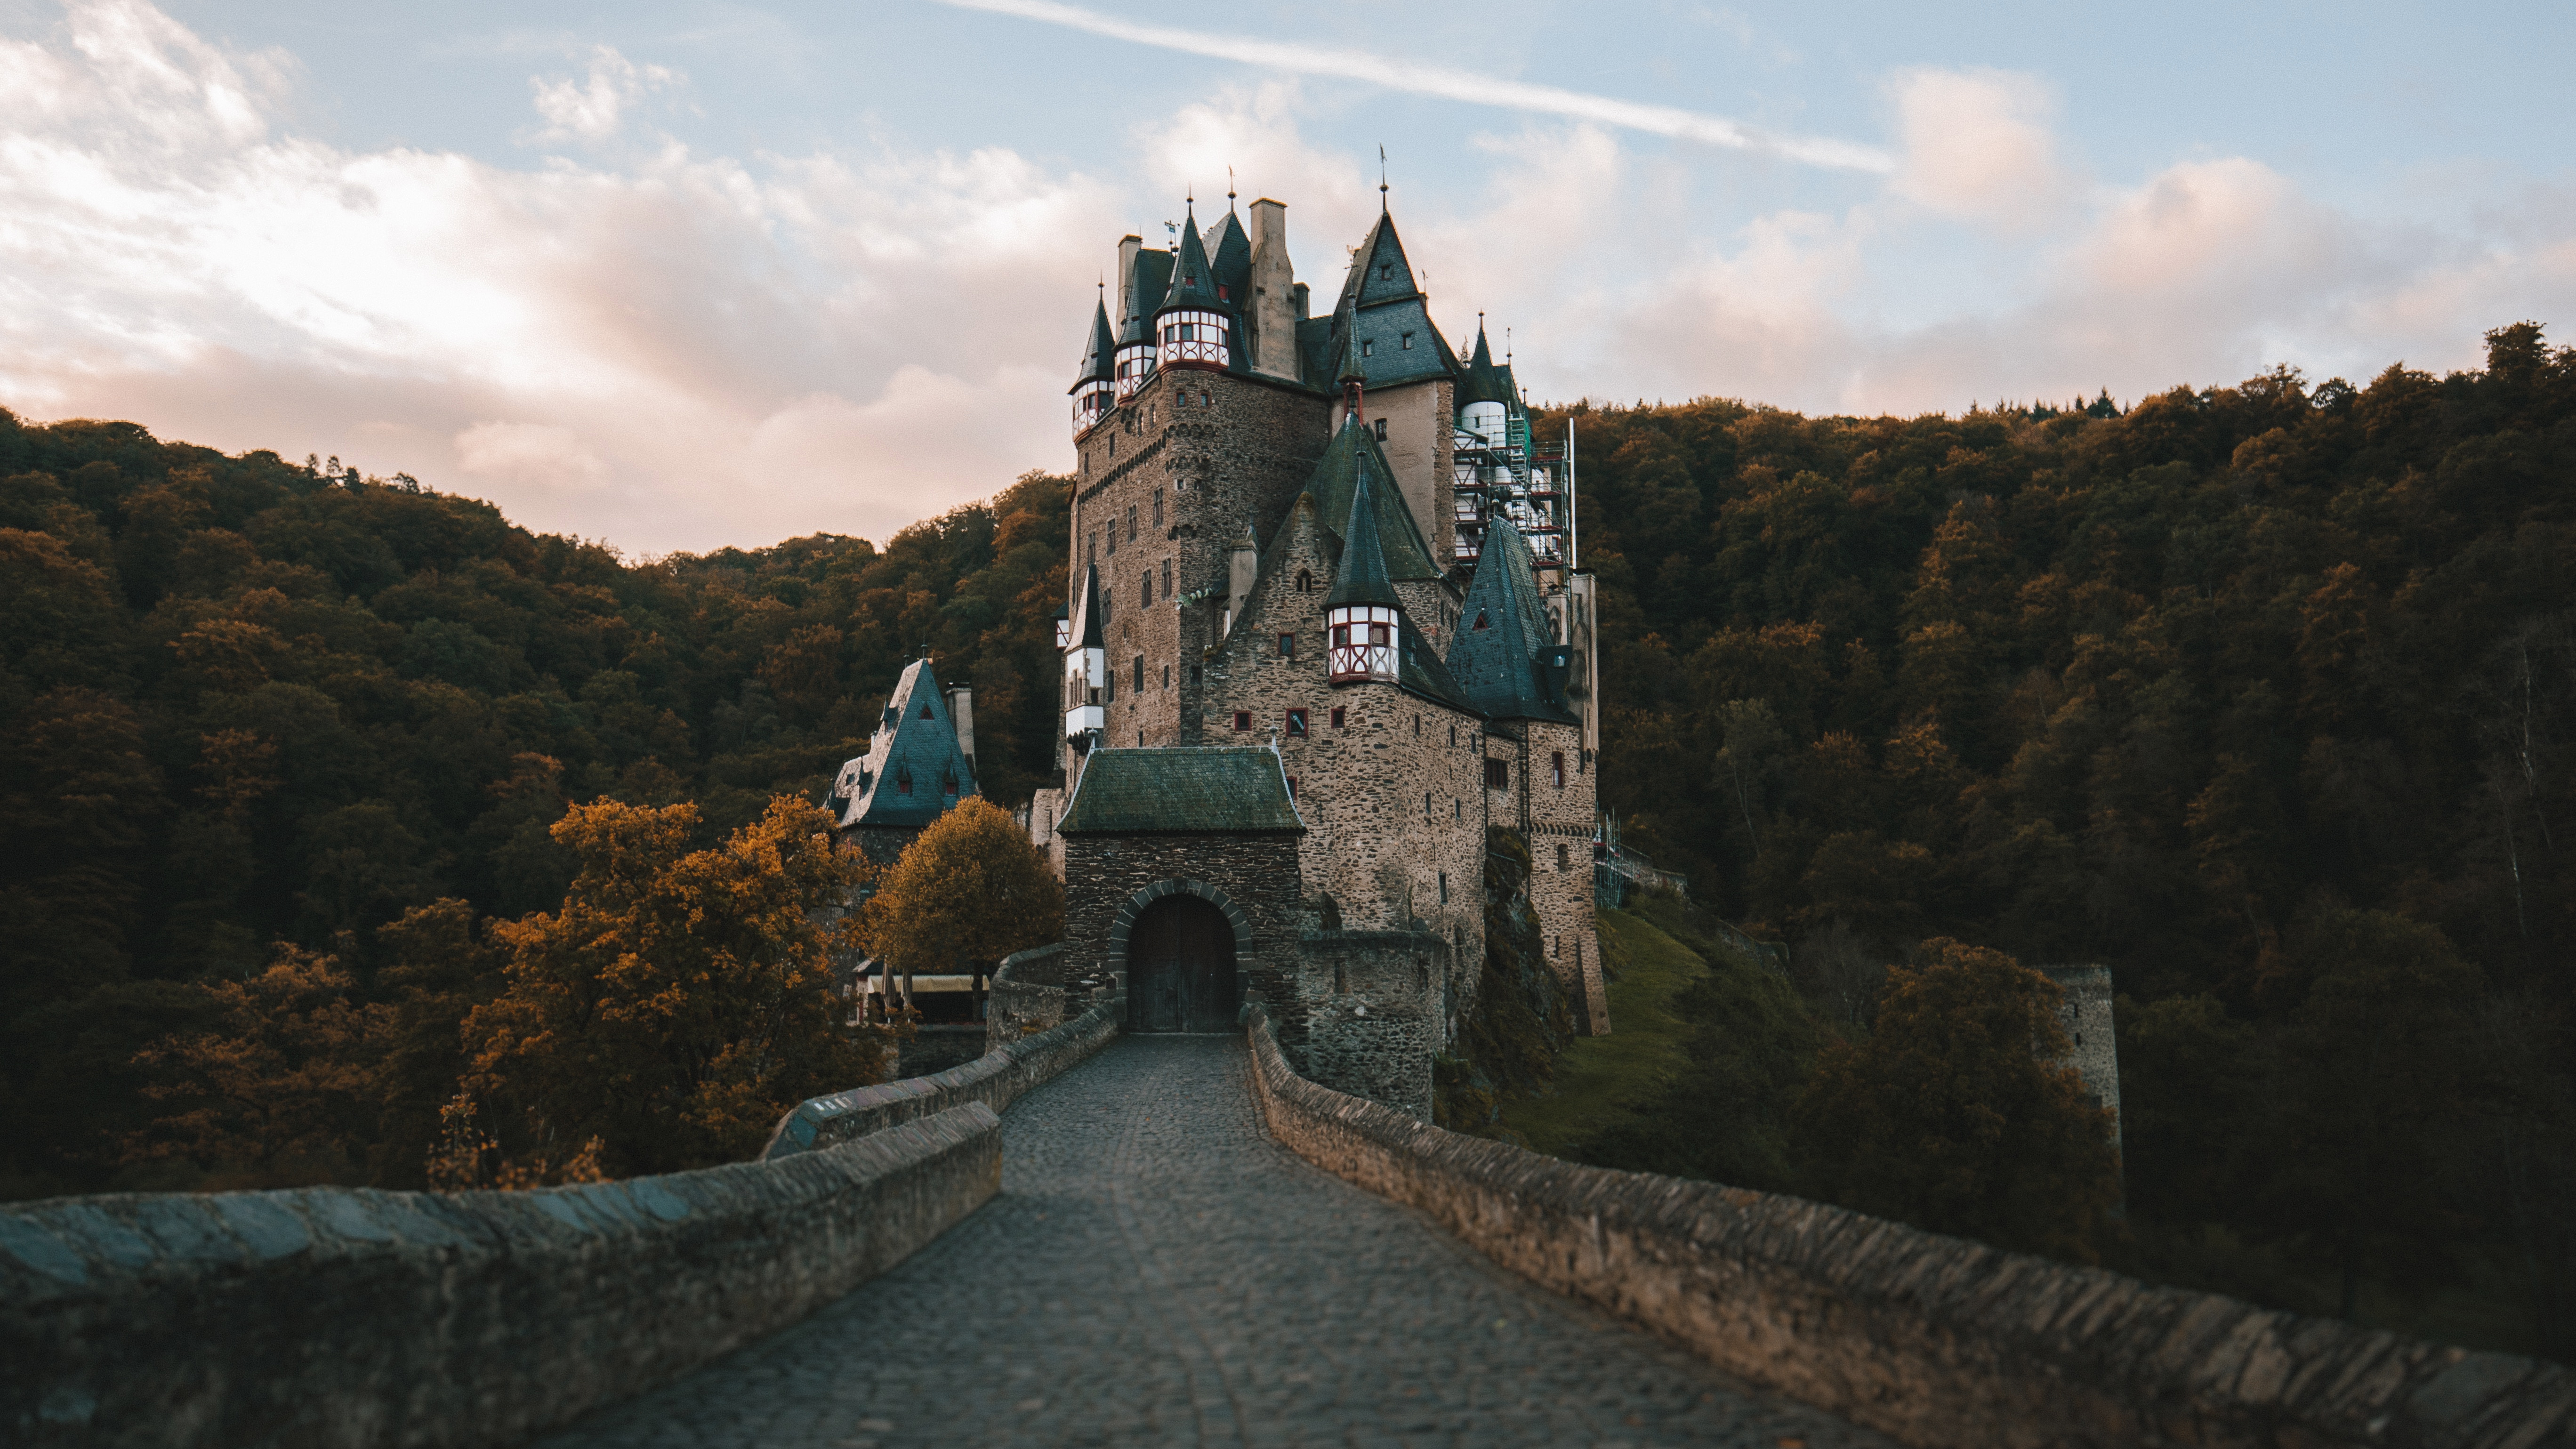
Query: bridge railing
x=1934, y=1340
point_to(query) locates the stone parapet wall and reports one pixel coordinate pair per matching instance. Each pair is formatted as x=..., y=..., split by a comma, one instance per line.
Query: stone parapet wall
x=1934, y=1340
x=1039, y=990
x=352, y=1317
x=995, y=1080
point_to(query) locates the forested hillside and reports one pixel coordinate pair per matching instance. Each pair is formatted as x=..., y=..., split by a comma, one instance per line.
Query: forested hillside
x=249, y=702
x=2263, y=695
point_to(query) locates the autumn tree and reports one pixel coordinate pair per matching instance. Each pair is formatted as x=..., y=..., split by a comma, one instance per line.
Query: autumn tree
x=1955, y=1115
x=967, y=892
x=282, y=1086
x=680, y=1001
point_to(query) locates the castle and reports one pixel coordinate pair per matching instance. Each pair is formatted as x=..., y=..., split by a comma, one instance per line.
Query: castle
x=1324, y=629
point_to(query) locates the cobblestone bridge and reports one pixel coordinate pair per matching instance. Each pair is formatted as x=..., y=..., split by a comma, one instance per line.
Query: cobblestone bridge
x=1159, y=1271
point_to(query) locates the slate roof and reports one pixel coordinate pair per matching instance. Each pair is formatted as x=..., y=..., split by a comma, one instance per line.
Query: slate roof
x=1230, y=255
x=1499, y=665
x=1193, y=280
x=1227, y=789
x=1407, y=554
x=1086, y=631
x=1418, y=669
x=1099, y=360
x=915, y=743
x=1483, y=382
x=1360, y=576
x=1149, y=277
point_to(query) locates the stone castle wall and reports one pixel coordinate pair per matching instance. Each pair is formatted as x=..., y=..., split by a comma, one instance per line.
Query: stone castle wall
x=1256, y=873
x=1557, y=822
x=2085, y=1013
x=1420, y=445
x=1367, y=1014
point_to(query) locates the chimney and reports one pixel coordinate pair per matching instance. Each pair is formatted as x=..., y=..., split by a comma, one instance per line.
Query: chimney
x=961, y=708
x=1274, y=293
x=1243, y=561
x=1128, y=246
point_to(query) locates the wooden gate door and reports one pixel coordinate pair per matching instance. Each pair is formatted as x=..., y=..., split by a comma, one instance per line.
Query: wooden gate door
x=1180, y=968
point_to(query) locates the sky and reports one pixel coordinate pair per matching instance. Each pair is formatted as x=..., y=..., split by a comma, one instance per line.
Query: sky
x=678, y=276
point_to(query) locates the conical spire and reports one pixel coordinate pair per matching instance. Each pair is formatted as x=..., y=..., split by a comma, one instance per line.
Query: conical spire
x=1352, y=371
x=1483, y=382
x=1503, y=634
x=1099, y=357
x=1361, y=577
x=1193, y=280
x=1086, y=632
x=1148, y=277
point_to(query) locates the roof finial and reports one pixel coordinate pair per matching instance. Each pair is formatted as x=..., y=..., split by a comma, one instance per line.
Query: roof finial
x=1381, y=179
x=1229, y=190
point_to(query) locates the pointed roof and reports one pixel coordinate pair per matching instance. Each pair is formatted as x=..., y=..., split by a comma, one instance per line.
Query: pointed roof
x=1352, y=370
x=1193, y=280
x=903, y=779
x=1498, y=656
x=1379, y=272
x=1484, y=382
x=1360, y=576
x=1336, y=480
x=1099, y=360
x=1230, y=255
x=1148, y=278
x=1086, y=631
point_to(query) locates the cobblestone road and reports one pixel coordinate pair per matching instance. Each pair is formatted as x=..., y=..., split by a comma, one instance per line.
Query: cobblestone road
x=1158, y=1271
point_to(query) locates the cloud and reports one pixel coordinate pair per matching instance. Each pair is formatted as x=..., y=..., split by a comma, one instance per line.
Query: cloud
x=1457, y=85
x=575, y=111
x=1977, y=145
x=539, y=454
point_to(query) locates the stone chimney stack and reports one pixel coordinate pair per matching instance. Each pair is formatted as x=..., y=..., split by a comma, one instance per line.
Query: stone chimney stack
x=961, y=708
x=1128, y=247
x=1274, y=300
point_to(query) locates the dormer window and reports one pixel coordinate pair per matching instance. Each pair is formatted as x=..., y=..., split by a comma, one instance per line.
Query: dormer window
x=1386, y=271
x=1380, y=425
x=1305, y=581
x=1221, y=294
x=925, y=709
x=1480, y=620
x=1367, y=348
x=948, y=783
x=903, y=782
x=1408, y=342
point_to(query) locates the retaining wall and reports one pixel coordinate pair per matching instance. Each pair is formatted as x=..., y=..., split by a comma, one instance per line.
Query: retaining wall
x=995, y=1079
x=1935, y=1340
x=354, y=1317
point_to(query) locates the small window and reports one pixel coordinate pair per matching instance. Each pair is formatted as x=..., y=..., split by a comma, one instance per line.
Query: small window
x=1453, y=734
x=1556, y=767
x=1145, y=590
x=1287, y=646
x=1367, y=348
x=1457, y=809
x=1140, y=674
x=1426, y=804
x=1444, y=887
x=1381, y=430
x=1292, y=787
x=1243, y=719
x=1296, y=724
x=1131, y=523
x=1417, y=726
x=903, y=781
x=1386, y=271
x=1481, y=622
x=1206, y=401
x=1498, y=774
x=1158, y=508
x=948, y=783
x=1194, y=676
x=1563, y=861
x=1113, y=535
x=1109, y=695
x=1338, y=712
x=925, y=710
x=1113, y=445
x=1305, y=581
x=1167, y=676
x=1408, y=342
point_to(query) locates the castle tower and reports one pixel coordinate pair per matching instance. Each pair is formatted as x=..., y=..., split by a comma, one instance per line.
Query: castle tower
x=1411, y=376
x=1537, y=772
x=1195, y=326
x=1145, y=275
x=1362, y=614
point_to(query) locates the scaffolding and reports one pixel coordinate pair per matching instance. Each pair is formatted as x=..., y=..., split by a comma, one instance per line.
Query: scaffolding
x=1500, y=474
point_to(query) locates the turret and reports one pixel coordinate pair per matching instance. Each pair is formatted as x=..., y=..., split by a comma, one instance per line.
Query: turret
x=1195, y=325
x=1484, y=399
x=1086, y=666
x=1148, y=275
x=1362, y=615
x=1095, y=385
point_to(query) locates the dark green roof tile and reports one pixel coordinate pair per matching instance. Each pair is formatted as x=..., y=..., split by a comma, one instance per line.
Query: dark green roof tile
x=904, y=777
x=1503, y=635
x=1195, y=791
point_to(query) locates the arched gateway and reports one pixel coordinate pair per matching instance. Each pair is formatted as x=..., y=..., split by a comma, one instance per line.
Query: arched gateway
x=1181, y=968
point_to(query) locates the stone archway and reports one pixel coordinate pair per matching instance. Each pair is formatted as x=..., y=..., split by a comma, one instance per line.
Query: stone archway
x=1180, y=942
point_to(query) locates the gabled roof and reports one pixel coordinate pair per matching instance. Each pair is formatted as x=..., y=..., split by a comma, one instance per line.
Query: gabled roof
x=1149, y=277
x=1360, y=576
x=1230, y=255
x=1334, y=481
x=1228, y=789
x=1503, y=634
x=903, y=778
x=1098, y=355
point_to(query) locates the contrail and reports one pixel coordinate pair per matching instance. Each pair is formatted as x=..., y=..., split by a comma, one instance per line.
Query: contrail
x=1456, y=85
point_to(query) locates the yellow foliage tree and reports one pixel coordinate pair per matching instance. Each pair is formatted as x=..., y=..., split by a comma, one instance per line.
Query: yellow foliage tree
x=967, y=892
x=677, y=1005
